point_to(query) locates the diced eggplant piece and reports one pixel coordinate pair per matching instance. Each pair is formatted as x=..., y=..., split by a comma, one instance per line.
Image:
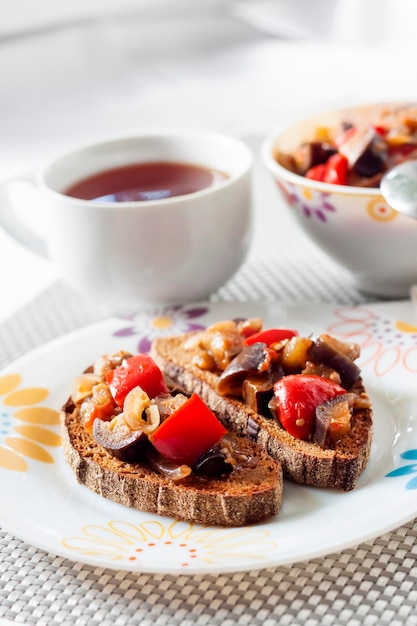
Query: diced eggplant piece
x=373, y=160
x=122, y=442
x=366, y=152
x=350, y=348
x=321, y=152
x=322, y=352
x=357, y=143
x=313, y=153
x=213, y=463
x=370, y=163
x=258, y=389
x=332, y=421
x=253, y=359
x=165, y=467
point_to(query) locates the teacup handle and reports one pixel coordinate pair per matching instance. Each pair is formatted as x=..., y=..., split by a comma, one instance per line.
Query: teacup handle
x=10, y=221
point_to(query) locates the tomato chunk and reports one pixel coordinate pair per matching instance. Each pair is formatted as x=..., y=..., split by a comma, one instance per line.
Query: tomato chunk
x=100, y=406
x=271, y=335
x=137, y=371
x=91, y=411
x=297, y=397
x=336, y=170
x=316, y=172
x=333, y=171
x=188, y=432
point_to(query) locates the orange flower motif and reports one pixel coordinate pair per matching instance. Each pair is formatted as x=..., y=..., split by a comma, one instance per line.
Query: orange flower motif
x=25, y=428
x=386, y=344
x=181, y=544
x=379, y=210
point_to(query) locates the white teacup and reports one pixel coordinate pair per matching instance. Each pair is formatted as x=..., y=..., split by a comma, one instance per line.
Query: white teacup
x=132, y=254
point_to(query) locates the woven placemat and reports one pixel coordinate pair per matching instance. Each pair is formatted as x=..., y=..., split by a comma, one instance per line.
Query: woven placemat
x=373, y=584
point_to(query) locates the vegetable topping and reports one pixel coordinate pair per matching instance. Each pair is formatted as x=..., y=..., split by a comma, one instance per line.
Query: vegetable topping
x=305, y=383
x=357, y=155
x=136, y=370
x=295, y=379
x=188, y=432
x=298, y=396
x=126, y=405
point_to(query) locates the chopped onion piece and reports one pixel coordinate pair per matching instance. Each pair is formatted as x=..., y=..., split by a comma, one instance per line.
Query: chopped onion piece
x=134, y=405
x=153, y=419
x=83, y=387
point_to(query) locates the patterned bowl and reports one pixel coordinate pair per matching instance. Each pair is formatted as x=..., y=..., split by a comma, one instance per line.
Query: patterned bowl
x=353, y=225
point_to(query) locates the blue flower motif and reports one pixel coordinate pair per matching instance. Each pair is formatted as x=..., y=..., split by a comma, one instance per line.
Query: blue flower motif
x=5, y=424
x=407, y=470
x=169, y=321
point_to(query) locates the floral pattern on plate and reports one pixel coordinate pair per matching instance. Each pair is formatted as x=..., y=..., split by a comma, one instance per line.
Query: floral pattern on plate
x=178, y=543
x=407, y=470
x=176, y=319
x=386, y=344
x=25, y=428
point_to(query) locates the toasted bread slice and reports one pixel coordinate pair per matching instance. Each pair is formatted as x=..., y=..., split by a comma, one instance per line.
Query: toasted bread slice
x=252, y=492
x=302, y=461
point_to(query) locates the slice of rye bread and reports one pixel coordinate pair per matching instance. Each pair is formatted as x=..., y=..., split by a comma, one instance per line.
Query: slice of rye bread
x=302, y=461
x=252, y=492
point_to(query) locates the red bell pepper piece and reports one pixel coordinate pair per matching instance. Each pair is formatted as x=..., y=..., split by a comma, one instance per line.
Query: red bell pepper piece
x=140, y=370
x=188, y=432
x=297, y=397
x=271, y=335
x=316, y=172
x=336, y=169
x=381, y=130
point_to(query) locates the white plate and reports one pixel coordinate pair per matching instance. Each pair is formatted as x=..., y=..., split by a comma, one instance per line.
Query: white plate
x=44, y=505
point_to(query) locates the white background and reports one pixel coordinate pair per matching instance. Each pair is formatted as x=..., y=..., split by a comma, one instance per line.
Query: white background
x=70, y=72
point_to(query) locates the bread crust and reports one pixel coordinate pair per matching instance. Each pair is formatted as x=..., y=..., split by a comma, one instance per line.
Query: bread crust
x=302, y=461
x=248, y=495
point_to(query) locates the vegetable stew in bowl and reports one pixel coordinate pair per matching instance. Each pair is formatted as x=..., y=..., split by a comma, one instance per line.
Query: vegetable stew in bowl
x=356, y=152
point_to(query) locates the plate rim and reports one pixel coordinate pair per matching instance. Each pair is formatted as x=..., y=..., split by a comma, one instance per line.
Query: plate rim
x=112, y=323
